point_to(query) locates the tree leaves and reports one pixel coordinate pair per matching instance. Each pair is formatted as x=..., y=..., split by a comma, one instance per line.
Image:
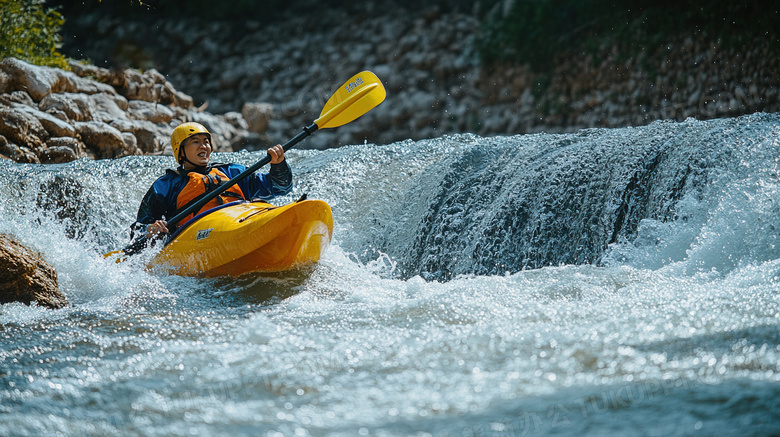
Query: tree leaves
x=31, y=33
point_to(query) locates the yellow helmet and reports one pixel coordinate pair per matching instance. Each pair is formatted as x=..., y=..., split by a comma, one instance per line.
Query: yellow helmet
x=184, y=131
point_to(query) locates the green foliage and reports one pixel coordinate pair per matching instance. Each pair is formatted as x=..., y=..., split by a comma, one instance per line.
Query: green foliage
x=30, y=33
x=533, y=31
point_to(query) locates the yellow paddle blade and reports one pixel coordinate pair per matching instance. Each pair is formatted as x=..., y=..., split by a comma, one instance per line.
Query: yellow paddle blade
x=361, y=93
x=118, y=254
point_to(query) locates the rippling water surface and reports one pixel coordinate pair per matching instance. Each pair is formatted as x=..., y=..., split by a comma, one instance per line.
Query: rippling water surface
x=620, y=281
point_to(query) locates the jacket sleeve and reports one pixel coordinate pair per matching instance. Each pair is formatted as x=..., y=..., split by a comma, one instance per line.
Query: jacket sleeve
x=281, y=178
x=152, y=208
x=277, y=182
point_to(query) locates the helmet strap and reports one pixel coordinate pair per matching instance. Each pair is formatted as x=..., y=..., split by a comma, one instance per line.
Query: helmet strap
x=183, y=159
x=198, y=168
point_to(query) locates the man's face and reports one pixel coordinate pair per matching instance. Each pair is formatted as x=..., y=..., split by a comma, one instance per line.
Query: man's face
x=197, y=149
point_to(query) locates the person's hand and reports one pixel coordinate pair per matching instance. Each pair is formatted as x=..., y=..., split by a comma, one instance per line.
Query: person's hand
x=156, y=229
x=277, y=154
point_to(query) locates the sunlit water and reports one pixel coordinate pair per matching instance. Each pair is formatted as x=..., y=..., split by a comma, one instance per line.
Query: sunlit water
x=608, y=282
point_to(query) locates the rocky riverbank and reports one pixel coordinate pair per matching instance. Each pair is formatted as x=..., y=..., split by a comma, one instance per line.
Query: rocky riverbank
x=48, y=115
x=435, y=83
x=254, y=85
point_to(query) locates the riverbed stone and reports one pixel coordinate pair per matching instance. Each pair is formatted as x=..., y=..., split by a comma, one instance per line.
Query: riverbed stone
x=108, y=107
x=26, y=277
x=16, y=153
x=78, y=147
x=149, y=136
x=53, y=125
x=41, y=81
x=22, y=128
x=103, y=140
x=58, y=155
x=20, y=97
x=257, y=116
x=149, y=111
x=77, y=107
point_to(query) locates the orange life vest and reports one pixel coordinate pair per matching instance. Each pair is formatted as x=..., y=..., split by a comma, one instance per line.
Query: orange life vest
x=200, y=184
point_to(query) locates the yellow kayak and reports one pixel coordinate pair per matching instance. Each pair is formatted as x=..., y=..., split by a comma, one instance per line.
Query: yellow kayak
x=242, y=237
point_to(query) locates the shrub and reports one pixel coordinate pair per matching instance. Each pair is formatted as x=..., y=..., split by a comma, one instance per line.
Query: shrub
x=31, y=33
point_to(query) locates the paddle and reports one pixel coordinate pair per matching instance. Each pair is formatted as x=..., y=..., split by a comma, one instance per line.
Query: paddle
x=358, y=95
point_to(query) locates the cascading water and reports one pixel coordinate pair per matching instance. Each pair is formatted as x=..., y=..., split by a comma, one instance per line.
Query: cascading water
x=486, y=206
x=607, y=281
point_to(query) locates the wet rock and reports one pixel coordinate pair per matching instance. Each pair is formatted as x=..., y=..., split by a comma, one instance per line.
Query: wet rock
x=19, y=97
x=78, y=148
x=257, y=116
x=26, y=277
x=53, y=125
x=77, y=107
x=149, y=136
x=103, y=140
x=5, y=150
x=156, y=113
x=25, y=155
x=16, y=153
x=41, y=81
x=22, y=128
x=58, y=155
x=109, y=107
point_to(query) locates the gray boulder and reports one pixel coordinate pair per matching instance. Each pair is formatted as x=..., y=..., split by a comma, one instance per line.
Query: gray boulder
x=257, y=116
x=103, y=140
x=149, y=137
x=26, y=277
x=58, y=155
x=108, y=107
x=53, y=125
x=17, y=154
x=143, y=110
x=22, y=128
x=78, y=148
x=20, y=97
x=77, y=107
x=41, y=81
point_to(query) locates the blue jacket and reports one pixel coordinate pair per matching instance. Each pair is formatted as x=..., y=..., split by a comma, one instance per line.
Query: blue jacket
x=159, y=203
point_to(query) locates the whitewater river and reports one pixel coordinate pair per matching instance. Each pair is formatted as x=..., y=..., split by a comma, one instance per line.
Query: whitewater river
x=606, y=282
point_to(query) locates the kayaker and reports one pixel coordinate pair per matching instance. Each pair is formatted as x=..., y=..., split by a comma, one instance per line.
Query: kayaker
x=196, y=175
